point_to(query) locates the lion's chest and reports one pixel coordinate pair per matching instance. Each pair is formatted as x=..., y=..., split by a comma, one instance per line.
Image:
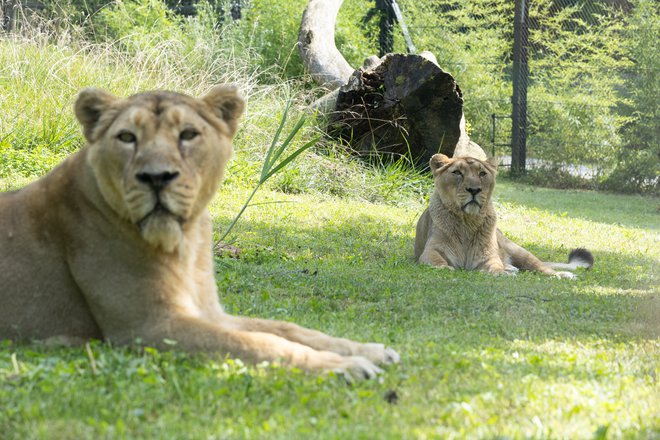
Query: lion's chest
x=466, y=251
x=465, y=242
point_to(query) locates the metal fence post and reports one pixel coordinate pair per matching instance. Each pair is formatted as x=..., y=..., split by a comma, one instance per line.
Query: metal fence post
x=385, y=36
x=520, y=78
x=9, y=15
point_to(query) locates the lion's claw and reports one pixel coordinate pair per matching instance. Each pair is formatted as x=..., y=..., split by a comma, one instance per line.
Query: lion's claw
x=358, y=368
x=378, y=354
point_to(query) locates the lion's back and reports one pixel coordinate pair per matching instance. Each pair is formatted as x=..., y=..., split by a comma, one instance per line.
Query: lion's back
x=38, y=294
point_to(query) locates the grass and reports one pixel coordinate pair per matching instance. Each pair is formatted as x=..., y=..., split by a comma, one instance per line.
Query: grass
x=327, y=243
x=482, y=356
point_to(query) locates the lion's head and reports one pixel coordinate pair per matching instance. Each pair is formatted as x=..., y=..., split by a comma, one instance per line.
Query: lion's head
x=158, y=157
x=464, y=184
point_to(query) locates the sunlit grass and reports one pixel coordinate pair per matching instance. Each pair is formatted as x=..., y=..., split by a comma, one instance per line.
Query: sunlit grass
x=482, y=356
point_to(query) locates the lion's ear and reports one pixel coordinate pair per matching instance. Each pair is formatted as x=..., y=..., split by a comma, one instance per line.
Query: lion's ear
x=227, y=104
x=89, y=106
x=493, y=162
x=438, y=161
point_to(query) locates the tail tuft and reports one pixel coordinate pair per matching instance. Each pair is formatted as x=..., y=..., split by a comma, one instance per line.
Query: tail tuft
x=581, y=258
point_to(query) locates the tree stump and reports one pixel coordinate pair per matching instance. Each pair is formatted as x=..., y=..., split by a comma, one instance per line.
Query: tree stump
x=395, y=106
x=403, y=106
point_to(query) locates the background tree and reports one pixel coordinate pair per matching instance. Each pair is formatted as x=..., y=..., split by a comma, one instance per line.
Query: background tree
x=638, y=160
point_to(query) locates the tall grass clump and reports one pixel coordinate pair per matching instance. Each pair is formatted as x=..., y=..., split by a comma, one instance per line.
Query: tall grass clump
x=132, y=46
x=274, y=162
x=43, y=66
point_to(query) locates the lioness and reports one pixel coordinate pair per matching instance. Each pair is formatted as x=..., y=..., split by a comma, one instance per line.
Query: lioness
x=115, y=243
x=458, y=230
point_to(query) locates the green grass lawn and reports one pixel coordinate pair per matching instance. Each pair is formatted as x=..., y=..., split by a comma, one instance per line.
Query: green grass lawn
x=482, y=356
x=328, y=244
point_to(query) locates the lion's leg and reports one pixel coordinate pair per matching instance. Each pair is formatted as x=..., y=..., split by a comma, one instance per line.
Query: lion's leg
x=521, y=257
x=525, y=260
x=376, y=353
x=433, y=258
x=494, y=265
x=194, y=335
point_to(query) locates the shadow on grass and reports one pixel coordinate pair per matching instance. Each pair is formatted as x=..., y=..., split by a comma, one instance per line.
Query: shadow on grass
x=352, y=275
x=626, y=210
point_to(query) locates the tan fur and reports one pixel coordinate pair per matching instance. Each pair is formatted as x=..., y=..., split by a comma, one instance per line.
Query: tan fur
x=115, y=243
x=459, y=228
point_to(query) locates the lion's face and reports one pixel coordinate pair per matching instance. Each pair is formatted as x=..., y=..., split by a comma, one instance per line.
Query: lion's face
x=158, y=157
x=464, y=184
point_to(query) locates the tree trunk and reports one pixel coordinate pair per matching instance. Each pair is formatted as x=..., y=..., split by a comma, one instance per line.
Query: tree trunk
x=316, y=39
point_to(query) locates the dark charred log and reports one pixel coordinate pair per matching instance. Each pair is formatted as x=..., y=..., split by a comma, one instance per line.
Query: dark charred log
x=403, y=106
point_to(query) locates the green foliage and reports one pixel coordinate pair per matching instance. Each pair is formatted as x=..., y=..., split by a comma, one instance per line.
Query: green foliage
x=638, y=161
x=138, y=24
x=356, y=39
x=37, y=128
x=472, y=41
x=577, y=57
x=150, y=32
x=270, y=28
x=273, y=163
x=593, y=85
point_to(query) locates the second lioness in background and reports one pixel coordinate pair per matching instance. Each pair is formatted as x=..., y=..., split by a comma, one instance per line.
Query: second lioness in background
x=459, y=228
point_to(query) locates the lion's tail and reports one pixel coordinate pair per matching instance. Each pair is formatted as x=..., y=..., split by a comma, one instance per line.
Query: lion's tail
x=579, y=257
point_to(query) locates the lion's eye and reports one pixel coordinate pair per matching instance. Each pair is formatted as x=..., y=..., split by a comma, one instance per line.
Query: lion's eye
x=127, y=137
x=457, y=172
x=188, y=134
x=482, y=173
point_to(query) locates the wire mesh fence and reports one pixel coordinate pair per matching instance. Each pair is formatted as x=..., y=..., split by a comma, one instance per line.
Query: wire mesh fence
x=591, y=75
x=591, y=81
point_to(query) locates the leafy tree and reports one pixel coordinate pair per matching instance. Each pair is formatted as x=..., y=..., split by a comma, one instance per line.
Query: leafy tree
x=270, y=28
x=576, y=59
x=638, y=161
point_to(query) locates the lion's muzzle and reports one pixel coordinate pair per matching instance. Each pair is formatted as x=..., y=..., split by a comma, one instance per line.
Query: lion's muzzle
x=473, y=206
x=157, y=180
x=161, y=225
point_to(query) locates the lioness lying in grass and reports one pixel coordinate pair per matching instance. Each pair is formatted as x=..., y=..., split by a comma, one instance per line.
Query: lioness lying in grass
x=458, y=230
x=115, y=243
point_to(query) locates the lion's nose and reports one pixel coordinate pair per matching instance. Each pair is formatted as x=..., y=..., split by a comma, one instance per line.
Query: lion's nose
x=473, y=191
x=157, y=181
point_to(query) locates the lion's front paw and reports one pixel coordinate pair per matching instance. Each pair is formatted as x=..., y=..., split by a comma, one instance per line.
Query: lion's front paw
x=498, y=271
x=444, y=267
x=496, y=268
x=378, y=353
x=567, y=275
x=358, y=368
x=511, y=269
